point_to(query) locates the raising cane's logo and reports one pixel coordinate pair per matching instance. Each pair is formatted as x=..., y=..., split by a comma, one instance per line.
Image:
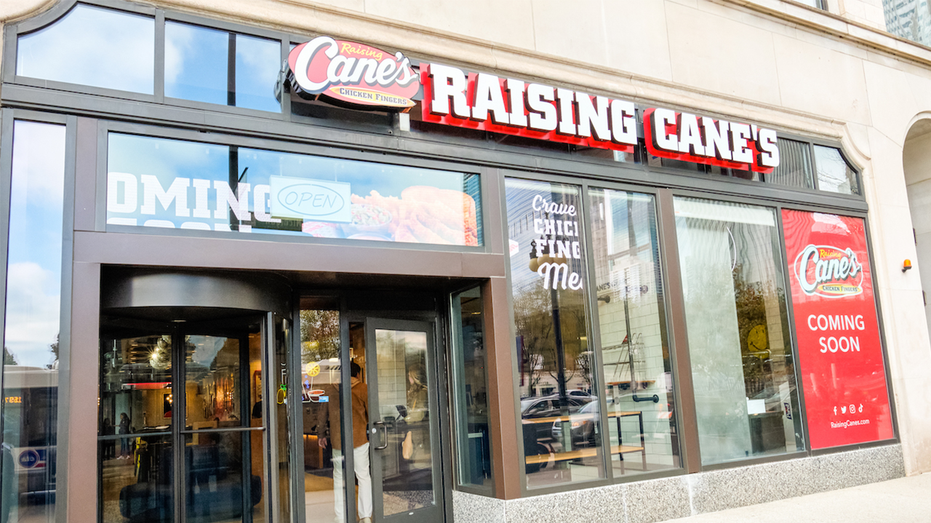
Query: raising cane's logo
x=353, y=73
x=828, y=271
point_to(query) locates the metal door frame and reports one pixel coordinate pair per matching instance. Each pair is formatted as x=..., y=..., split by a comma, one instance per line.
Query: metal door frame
x=422, y=515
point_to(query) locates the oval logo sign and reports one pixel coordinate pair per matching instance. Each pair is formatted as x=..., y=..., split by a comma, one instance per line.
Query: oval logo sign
x=828, y=271
x=354, y=73
x=28, y=459
x=313, y=200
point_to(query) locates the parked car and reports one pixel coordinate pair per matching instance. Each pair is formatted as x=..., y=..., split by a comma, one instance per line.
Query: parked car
x=533, y=412
x=581, y=426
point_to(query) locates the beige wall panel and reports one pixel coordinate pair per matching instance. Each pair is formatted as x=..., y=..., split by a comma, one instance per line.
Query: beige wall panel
x=889, y=112
x=867, y=12
x=856, y=144
x=738, y=13
x=636, y=37
x=503, y=22
x=577, y=31
x=13, y=9
x=720, y=55
x=915, y=404
x=834, y=44
x=821, y=81
x=906, y=331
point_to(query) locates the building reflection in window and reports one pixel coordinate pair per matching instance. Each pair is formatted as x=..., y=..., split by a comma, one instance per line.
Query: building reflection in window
x=324, y=498
x=634, y=344
x=738, y=330
x=556, y=378
x=470, y=385
x=32, y=324
x=834, y=173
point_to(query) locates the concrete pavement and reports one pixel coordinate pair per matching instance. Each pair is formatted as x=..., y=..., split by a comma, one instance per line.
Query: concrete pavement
x=903, y=500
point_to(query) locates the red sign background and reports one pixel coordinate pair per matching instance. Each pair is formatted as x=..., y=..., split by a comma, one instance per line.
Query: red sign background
x=840, y=355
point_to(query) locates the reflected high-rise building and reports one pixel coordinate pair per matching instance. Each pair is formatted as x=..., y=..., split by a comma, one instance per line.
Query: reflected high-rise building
x=909, y=19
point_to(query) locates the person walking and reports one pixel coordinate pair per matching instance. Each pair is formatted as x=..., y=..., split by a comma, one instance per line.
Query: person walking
x=360, y=444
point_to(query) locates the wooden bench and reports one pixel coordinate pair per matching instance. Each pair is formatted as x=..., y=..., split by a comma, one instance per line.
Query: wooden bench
x=619, y=449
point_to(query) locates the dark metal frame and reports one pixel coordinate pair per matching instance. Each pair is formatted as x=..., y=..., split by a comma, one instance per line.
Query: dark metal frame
x=7, y=119
x=451, y=337
x=105, y=127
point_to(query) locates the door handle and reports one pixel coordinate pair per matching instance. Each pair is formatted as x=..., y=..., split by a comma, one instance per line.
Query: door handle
x=384, y=432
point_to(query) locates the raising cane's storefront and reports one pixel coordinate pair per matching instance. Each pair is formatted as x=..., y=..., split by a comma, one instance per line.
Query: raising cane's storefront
x=255, y=248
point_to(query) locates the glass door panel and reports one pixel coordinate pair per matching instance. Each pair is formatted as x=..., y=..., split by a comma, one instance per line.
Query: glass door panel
x=135, y=416
x=402, y=408
x=320, y=413
x=173, y=452
x=223, y=447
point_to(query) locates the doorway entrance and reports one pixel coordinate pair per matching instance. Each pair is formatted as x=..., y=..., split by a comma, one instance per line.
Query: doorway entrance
x=389, y=412
x=190, y=426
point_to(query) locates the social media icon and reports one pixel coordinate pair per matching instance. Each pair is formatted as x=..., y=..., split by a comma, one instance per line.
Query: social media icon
x=843, y=410
x=861, y=408
x=853, y=408
x=835, y=410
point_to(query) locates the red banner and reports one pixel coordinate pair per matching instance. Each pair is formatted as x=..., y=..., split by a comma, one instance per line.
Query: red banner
x=840, y=355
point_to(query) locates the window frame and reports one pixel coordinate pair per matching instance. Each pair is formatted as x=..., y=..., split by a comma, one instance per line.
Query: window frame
x=104, y=128
x=8, y=117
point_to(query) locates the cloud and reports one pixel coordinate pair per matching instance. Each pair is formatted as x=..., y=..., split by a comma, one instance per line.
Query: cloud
x=32, y=313
x=39, y=161
x=93, y=46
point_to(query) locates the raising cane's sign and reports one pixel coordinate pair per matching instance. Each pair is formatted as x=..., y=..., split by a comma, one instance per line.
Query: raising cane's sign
x=690, y=138
x=370, y=78
x=840, y=355
x=352, y=73
x=486, y=102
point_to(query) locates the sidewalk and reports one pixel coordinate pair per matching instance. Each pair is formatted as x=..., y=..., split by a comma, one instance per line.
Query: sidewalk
x=903, y=500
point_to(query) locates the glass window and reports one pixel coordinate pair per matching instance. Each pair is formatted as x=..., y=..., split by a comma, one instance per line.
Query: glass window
x=195, y=63
x=794, y=167
x=214, y=66
x=909, y=19
x=258, y=61
x=743, y=369
x=470, y=389
x=158, y=182
x=32, y=323
x=321, y=408
x=638, y=384
x=92, y=46
x=834, y=173
x=551, y=320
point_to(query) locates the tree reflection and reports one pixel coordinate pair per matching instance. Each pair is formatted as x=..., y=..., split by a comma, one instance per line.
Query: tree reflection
x=535, y=325
x=319, y=335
